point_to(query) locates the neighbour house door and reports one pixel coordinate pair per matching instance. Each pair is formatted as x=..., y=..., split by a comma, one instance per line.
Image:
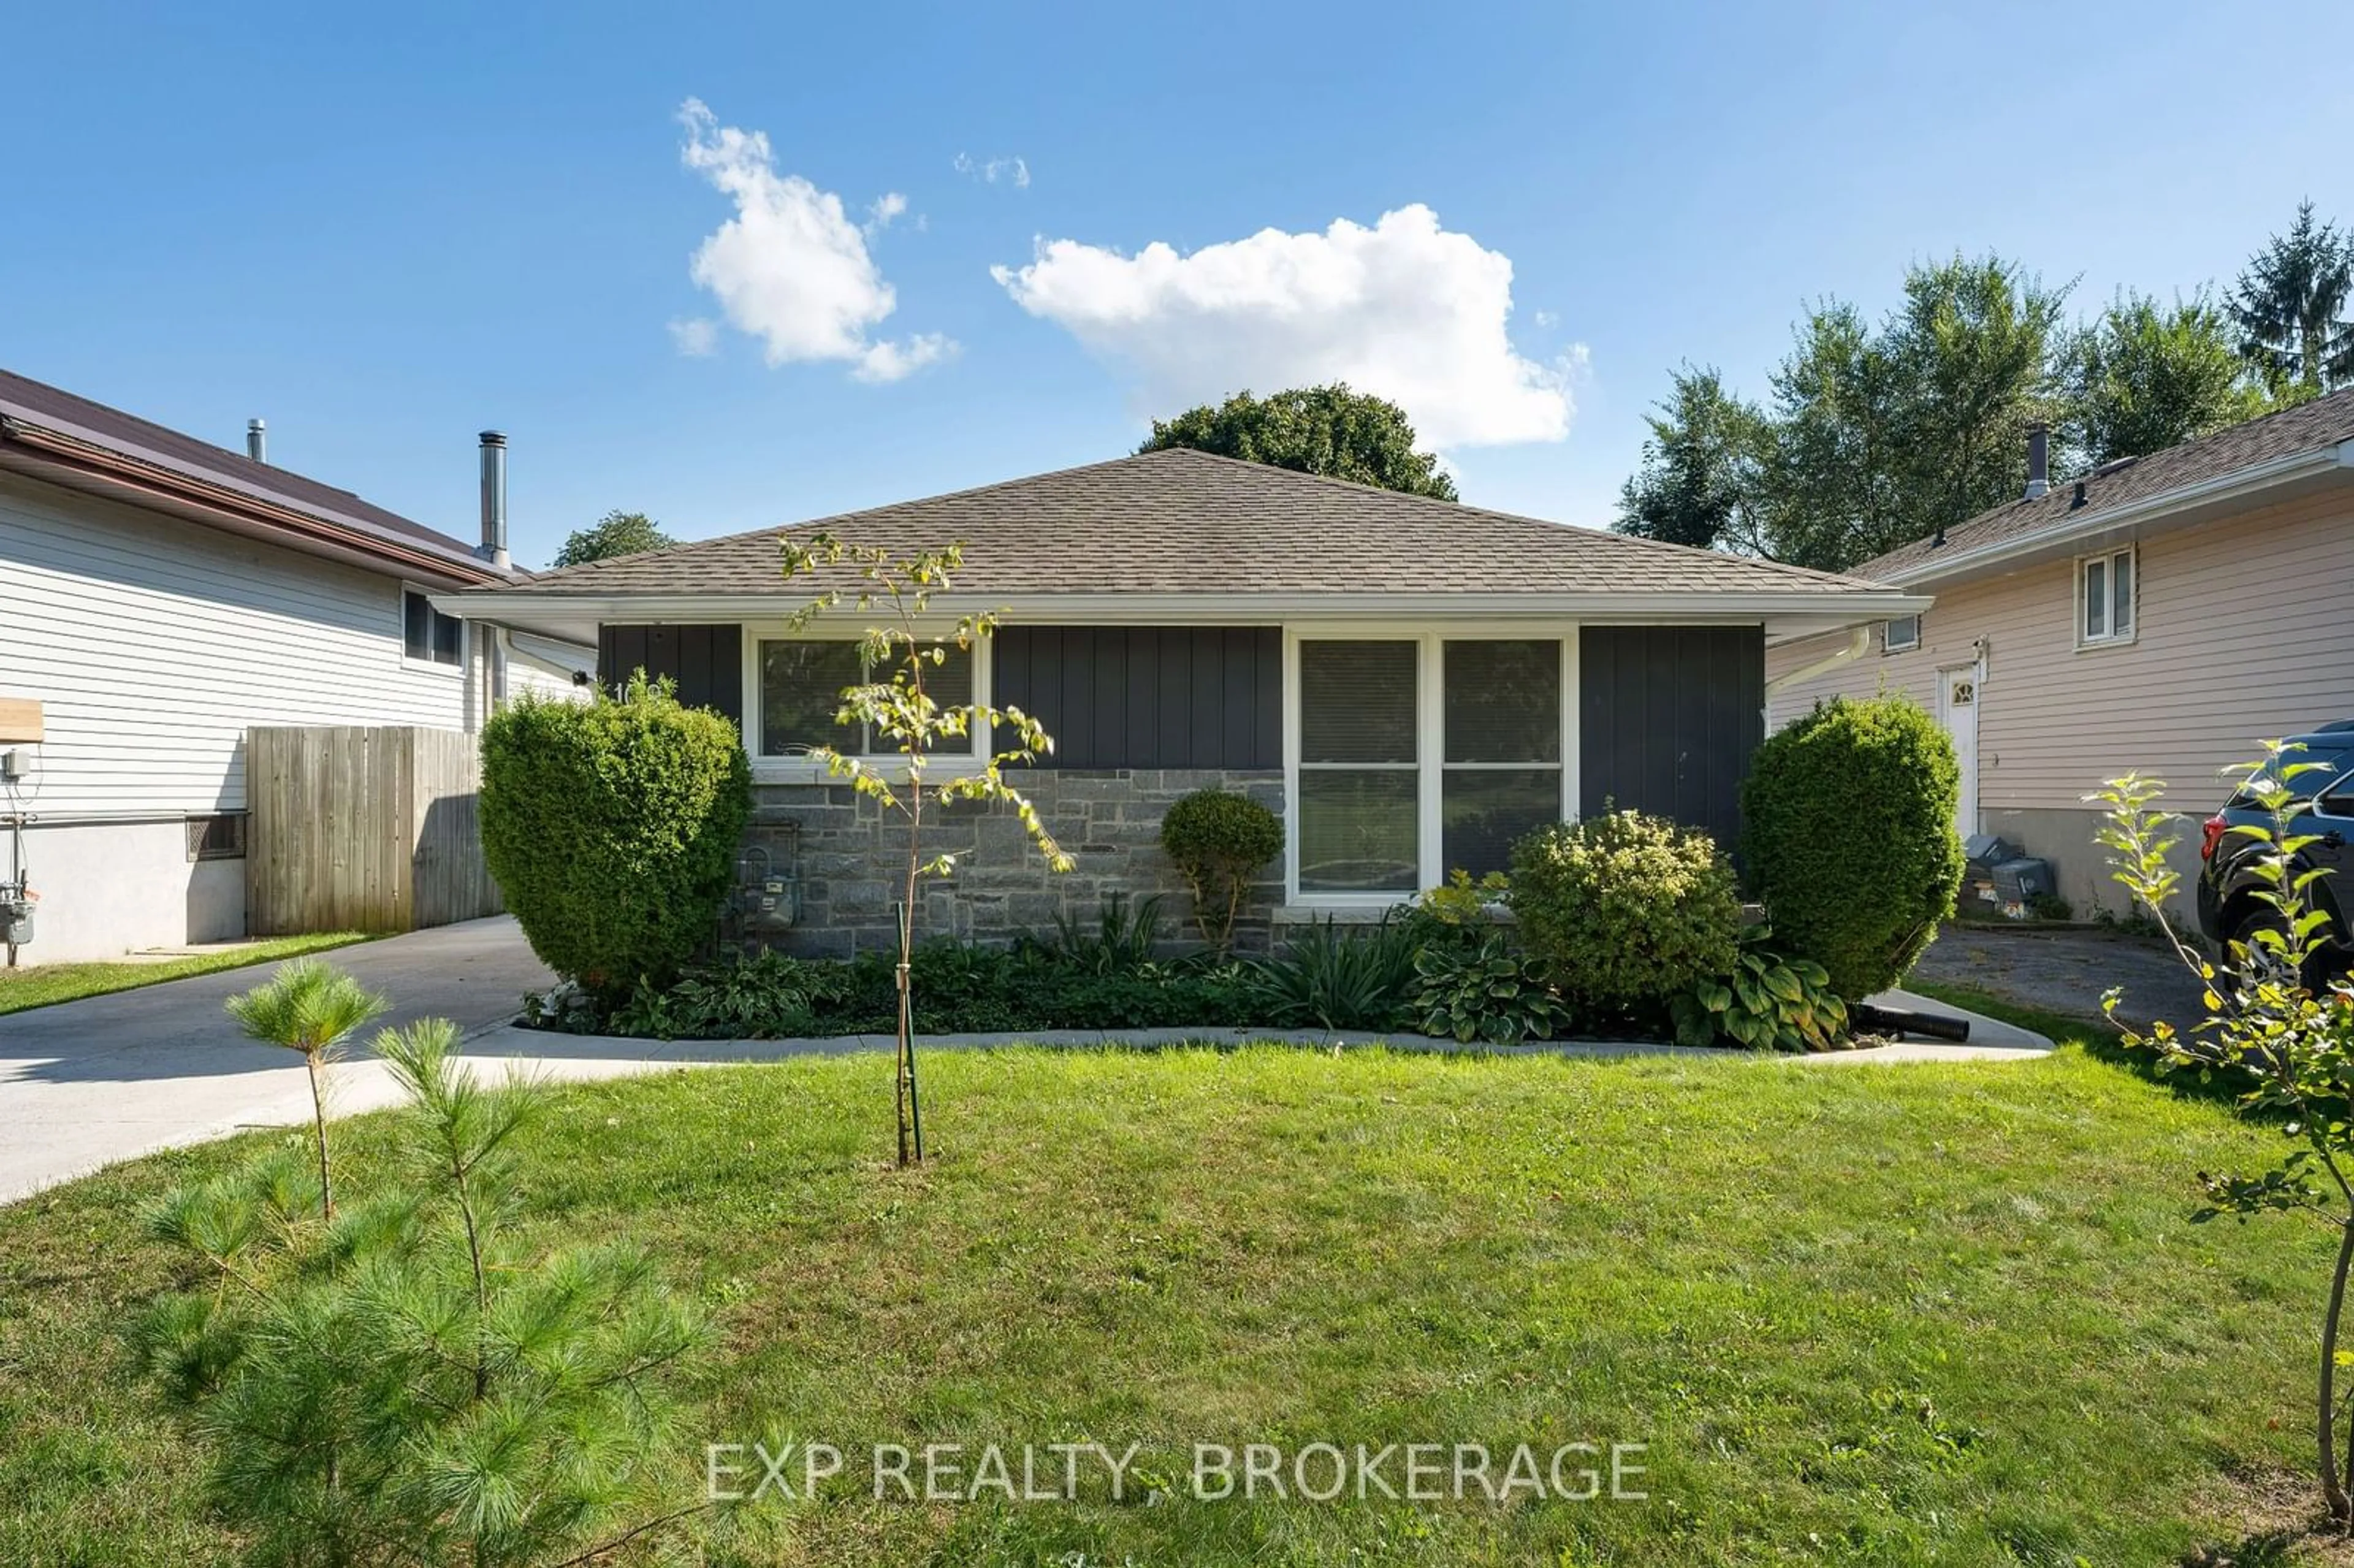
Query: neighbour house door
x=1957, y=710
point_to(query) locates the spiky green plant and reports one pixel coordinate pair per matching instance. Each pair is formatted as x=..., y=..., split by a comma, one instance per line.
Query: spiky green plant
x=311, y=1008
x=410, y=1383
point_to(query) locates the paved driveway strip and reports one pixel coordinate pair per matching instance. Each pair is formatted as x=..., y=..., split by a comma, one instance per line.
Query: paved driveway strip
x=84, y=1084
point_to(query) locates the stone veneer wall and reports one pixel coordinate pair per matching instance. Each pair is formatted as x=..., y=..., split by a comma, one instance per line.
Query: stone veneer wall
x=852, y=858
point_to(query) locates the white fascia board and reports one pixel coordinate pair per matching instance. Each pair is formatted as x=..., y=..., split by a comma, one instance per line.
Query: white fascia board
x=1696, y=609
x=2238, y=485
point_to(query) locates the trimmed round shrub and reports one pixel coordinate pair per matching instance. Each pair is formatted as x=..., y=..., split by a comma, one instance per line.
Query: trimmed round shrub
x=611, y=827
x=1849, y=837
x=1217, y=840
x=1624, y=911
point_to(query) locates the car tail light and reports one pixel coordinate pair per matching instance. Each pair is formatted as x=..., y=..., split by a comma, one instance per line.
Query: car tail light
x=2210, y=834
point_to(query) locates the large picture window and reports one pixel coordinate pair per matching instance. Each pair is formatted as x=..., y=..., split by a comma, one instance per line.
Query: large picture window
x=1359, y=766
x=801, y=682
x=1502, y=779
x=1421, y=755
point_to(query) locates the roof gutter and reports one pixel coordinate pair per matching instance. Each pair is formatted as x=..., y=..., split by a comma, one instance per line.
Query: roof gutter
x=1858, y=643
x=1213, y=608
x=144, y=479
x=2239, y=484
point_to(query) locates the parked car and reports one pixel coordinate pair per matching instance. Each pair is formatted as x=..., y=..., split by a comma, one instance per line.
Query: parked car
x=2228, y=909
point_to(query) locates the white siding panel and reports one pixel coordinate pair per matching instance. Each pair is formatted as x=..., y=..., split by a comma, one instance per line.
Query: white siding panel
x=153, y=644
x=2246, y=631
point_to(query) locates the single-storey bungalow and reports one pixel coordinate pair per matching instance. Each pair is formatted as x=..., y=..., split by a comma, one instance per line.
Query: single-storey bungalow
x=1412, y=684
x=2161, y=613
x=159, y=597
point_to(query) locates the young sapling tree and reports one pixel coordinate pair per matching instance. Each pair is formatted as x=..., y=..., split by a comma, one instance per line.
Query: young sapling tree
x=311, y=1008
x=2284, y=1043
x=899, y=651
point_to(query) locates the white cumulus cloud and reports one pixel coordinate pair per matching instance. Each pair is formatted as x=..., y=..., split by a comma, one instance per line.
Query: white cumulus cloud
x=988, y=171
x=791, y=267
x=1404, y=309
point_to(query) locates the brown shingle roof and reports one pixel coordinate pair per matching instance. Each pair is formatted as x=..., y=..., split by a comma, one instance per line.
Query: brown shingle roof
x=1184, y=521
x=51, y=407
x=2324, y=422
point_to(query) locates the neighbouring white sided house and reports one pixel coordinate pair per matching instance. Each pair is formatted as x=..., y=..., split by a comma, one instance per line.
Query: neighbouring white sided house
x=160, y=598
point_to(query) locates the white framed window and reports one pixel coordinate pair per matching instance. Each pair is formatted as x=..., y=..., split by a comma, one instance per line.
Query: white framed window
x=1900, y=635
x=2106, y=607
x=1413, y=753
x=428, y=636
x=796, y=686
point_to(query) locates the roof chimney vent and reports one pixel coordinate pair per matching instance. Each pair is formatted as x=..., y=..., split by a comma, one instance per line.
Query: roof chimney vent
x=2039, y=460
x=493, y=547
x=257, y=440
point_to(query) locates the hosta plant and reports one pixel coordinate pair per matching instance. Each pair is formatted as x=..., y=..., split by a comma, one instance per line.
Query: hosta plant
x=1488, y=993
x=1769, y=1002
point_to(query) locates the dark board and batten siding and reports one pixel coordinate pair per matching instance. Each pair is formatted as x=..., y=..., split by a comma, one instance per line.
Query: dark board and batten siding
x=1148, y=697
x=1668, y=718
x=707, y=661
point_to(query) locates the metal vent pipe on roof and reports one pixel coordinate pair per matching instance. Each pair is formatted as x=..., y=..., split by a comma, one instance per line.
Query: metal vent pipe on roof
x=493, y=547
x=2039, y=460
x=257, y=440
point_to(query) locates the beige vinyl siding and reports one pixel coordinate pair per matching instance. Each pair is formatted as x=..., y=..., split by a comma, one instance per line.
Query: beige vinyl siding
x=2244, y=631
x=152, y=643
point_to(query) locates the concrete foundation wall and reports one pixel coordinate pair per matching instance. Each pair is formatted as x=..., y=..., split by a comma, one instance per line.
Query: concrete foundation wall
x=852, y=857
x=112, y=889
x=2080, y=865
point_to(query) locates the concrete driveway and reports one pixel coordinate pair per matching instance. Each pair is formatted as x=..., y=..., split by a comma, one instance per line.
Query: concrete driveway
x=86, y=1083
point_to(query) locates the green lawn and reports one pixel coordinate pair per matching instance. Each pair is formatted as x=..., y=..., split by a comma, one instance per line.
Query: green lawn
x=41, y=984
x=1860, y=1314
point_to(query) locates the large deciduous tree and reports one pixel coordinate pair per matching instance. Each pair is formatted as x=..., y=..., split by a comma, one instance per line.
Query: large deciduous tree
x=614, y=534
x=2143, y=377
x=2290, y=305
x=1701, y=468
x=1329, y=431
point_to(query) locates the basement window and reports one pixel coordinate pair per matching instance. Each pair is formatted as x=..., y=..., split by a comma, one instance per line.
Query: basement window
x=428, y=636
x=2104, y=598
x=218, y=837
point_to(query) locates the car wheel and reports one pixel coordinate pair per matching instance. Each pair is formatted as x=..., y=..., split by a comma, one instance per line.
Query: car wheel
x=2243, y=958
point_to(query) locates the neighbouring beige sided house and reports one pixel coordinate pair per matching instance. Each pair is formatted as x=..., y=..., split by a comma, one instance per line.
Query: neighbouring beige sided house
x=2163, y=613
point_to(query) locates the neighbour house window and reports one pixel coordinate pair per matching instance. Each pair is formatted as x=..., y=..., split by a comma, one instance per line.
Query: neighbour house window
x=1360, y=768
x=1901, y=634
x=801, y=681
x=1502, y=779
x=428, y=635
x=2104, y=597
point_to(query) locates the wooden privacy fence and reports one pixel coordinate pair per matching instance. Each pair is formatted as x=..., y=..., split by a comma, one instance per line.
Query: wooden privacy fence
x=363, y=829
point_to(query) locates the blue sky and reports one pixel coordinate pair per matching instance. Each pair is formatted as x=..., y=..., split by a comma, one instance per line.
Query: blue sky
x=385, y=233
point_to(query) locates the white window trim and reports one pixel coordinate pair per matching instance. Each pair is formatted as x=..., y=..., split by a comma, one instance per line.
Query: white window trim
x=2107, y=559
x=408, y=660
x=1888, y=643
x=1430, y=740
x=889, y=765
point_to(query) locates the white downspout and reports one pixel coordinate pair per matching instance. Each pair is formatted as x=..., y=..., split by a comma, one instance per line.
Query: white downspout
x=1858, y=641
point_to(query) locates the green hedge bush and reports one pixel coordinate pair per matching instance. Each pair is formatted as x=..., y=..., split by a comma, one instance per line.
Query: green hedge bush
x=611, y=827
x=1217, y=840
x=1623, y=911
x=1849, y=837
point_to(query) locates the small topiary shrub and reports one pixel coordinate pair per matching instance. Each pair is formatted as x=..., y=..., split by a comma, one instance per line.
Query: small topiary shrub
x=611, y=828
x=1849, y=836
x=1624, y=911
x=1217, y=840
